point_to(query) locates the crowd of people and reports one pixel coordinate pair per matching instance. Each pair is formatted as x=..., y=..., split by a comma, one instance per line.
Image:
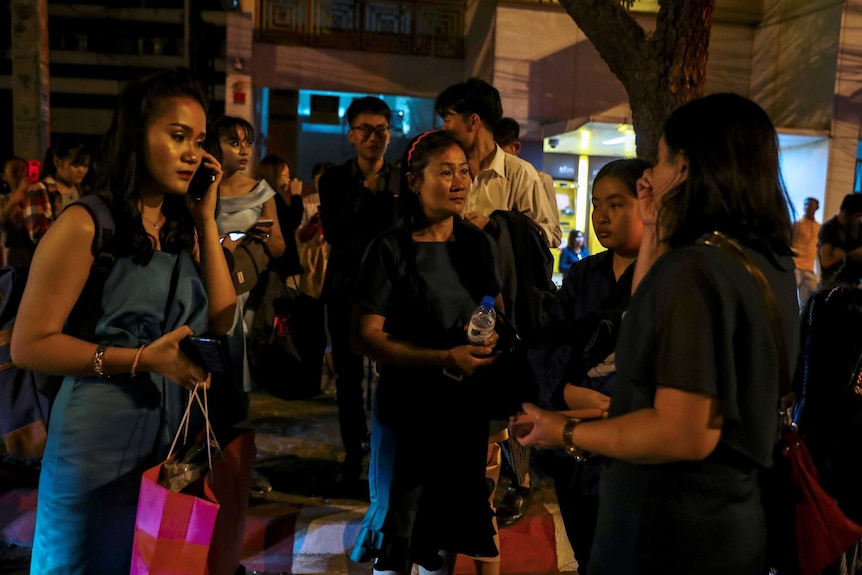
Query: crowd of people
x=666, y=338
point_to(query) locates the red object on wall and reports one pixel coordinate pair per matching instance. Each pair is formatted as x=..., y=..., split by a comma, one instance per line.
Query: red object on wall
x=33, y=169
x=239, y=92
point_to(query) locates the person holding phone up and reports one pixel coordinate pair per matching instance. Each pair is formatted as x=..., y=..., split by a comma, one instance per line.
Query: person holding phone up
x=125, y=392
x=247, y=205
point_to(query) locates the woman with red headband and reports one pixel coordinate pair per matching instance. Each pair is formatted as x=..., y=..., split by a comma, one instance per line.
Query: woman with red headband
x=418, y=286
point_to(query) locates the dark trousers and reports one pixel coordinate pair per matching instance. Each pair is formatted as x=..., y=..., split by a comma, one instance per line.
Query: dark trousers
x=579, y=510
x=348, y=380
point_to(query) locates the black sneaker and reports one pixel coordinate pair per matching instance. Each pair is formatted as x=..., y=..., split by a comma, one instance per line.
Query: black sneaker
x=513, y=506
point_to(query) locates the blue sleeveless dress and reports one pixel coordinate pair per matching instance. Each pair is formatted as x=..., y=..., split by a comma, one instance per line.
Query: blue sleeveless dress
x=104, y=432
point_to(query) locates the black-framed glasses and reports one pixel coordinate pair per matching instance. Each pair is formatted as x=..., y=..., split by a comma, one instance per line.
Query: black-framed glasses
x=366, y=130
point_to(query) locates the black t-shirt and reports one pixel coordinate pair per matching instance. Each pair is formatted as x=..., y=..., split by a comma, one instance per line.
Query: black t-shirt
x=430, y=307
x=698, y=323
x=352, y=216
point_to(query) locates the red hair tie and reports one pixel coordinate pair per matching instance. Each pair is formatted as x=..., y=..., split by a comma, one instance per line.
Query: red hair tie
x=413, y=147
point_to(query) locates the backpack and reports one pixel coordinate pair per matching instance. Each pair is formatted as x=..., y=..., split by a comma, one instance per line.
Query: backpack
x=526, y=266
x=526, y=269
x=25, y=395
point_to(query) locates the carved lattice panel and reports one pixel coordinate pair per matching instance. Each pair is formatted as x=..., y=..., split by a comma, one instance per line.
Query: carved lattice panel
x=439, y=31
x=422, y=27
x=284, y=15
x=336, y=24
x=387, y=26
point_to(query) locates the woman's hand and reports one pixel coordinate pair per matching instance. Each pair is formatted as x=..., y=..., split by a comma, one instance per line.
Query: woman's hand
x=204, y=209
x=468, y=358
x=164, y=357
x=655, y=183
x=647, y=202
x=547, y=428
x=578, y=397
x=261, y=232
x=230, y=244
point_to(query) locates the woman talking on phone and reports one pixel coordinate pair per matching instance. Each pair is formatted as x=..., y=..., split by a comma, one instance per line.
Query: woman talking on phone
x=692, y=421
x=247, y=205
x=125, y=391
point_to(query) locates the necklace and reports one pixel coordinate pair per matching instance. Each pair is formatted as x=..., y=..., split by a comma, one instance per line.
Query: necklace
x=146, y=219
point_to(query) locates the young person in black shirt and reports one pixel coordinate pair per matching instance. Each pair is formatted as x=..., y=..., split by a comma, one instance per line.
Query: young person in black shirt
x=357, y=202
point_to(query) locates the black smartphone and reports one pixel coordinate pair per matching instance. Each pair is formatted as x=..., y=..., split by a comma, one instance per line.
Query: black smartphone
x=200, y=182
x=208, y=352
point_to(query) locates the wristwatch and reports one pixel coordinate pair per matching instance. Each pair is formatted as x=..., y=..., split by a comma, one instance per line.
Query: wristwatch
x=575, y=451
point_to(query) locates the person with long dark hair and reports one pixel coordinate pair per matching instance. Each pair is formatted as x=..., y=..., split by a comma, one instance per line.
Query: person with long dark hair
x=124, y=393
x=417, y=288
x=694, y=415
x=275, y=170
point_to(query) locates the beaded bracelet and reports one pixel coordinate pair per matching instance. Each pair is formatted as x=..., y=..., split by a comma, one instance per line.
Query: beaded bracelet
x=99, y=361
x=135, y=361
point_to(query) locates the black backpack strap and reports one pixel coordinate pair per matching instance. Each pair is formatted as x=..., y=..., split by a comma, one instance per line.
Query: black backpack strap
x=84, y=316
x=100, y=211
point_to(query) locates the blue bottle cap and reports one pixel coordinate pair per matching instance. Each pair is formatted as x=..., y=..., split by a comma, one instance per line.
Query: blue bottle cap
x=488, y=301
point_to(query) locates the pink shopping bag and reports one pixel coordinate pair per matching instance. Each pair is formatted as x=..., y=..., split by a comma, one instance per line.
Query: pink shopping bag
x=173, y=531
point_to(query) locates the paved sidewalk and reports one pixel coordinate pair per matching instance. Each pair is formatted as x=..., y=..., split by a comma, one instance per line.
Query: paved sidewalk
x=307, y=524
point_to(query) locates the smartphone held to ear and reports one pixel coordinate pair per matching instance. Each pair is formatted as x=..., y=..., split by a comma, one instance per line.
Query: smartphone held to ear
x=201, y=182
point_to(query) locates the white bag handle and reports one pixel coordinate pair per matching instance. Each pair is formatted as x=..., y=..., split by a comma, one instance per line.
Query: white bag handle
x=183, y=429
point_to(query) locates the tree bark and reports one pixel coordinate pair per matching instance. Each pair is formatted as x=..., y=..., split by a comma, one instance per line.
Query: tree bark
x=659, y=71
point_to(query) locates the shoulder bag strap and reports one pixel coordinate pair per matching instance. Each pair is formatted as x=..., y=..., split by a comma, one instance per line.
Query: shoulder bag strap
x=175, y=278
x=785, y=385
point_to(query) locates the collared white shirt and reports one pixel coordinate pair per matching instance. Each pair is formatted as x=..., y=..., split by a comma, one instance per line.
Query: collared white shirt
x=511, y=183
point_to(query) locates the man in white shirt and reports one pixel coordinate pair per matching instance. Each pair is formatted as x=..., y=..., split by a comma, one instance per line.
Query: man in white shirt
x=507, y=135
x=805, y=233
x=470, y=110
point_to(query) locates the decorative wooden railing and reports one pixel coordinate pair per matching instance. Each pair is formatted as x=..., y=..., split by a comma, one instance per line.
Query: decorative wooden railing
x=418, y=27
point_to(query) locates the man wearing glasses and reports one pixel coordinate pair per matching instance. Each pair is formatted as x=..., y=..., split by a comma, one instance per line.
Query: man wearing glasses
x=357, y=202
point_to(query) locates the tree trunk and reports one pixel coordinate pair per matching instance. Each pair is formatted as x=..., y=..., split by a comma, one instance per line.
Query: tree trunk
x=659, y=71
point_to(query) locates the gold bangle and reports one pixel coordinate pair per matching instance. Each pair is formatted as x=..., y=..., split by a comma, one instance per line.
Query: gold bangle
x=135, y=361
x=575, y=451
x=99, y=361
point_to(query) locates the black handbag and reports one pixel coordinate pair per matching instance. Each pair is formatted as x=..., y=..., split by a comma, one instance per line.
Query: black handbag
x=509, y=381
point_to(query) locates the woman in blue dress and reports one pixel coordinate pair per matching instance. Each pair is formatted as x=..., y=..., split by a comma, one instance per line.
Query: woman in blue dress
x=124, y=393
x=575, y=250
x=417, y=288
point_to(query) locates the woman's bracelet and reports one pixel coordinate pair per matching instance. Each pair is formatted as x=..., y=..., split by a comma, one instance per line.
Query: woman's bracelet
x=135, y=361
x=99, y=361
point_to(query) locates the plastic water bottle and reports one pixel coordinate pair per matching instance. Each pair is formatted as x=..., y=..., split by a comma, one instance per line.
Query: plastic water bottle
x=482, y=321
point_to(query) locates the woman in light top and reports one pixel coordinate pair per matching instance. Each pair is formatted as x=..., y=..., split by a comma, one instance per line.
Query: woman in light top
x=247, y=205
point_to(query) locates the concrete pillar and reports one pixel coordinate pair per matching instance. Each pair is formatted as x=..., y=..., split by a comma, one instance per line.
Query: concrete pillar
x=847, y=110
x=31, y=125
